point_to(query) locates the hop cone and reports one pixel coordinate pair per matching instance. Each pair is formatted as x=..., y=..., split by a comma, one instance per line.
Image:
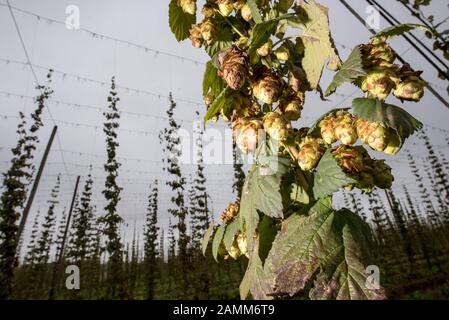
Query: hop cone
x=394, y=143
x=230, y=212
x=275, y=126
x=208, y=10
x=188, y=6
x=225, y=6
x=196, y=36
x=410, y=89
x=242, y=243
x=379, y=82
x=208, y=31
x=246, y=133
x=233, y=67
x=350, y=159
x=374, y=134
x=292, y=107
x=267, y=86
x=246, y=13
x=345, y=129
x=310, y=153
x=327, y=127
x=282, y=53
x=378, y=51
x=265, y=49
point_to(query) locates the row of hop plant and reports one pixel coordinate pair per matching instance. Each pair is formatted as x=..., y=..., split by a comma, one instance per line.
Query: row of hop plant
x=257, y=80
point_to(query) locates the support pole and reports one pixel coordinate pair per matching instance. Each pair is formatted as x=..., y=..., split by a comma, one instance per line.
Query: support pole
x=26, y=211
x=60, y=254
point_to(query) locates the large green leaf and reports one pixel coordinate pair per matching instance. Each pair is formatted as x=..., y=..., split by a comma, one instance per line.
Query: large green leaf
x=207, y=236
x=318, y=45
x=217, y=240
x=351, y=69
x=267, y=232
x=329, y=177
x=212, y=81
x=231, y=230
x=400, y=29
x=343, y=274
x=261, y=33
x=393, y=116
x=331, y=242
x=299, y=248
x=255, y=280
x=254, y=11
x=179, y=21
x=249, y=217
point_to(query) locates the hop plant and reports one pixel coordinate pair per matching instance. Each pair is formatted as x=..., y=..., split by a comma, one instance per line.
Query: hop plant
x=276, y=126
x=188, y=6
x=267, y=86
x=233, y=67
x=345, y=129
x=246, y=133
x=310, y=153
x=230, y=212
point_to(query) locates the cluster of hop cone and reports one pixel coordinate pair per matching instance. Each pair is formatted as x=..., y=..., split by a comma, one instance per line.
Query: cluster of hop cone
x=267, y=96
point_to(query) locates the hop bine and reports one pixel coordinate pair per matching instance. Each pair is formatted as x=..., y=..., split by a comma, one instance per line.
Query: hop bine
x=233, y=67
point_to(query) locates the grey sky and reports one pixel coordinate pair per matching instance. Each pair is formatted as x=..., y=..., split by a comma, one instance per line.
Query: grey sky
x=141, y=22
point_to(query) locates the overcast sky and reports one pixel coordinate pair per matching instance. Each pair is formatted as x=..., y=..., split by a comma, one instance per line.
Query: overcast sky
x=146, y=58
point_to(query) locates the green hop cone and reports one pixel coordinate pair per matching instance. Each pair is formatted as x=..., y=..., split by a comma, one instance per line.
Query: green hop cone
x=410, y=89
x=282, y=53
x=225, y=6
x=350, y=159
x=234, y=252
x=276, y=126
x=374, y=134
x=208, y=10
x=208, y=31
x=188, y=6
x=378, y=50
x=265, y=50
x=382, y=174
x=292, y=106
x=246, y=134
x=310, y=153
x=267, y=86
x=233, y=67
x=242, y=243
x=246, y=13
x=378, y=82
x=327, y=128
x=345, y=129
x=394, y=143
